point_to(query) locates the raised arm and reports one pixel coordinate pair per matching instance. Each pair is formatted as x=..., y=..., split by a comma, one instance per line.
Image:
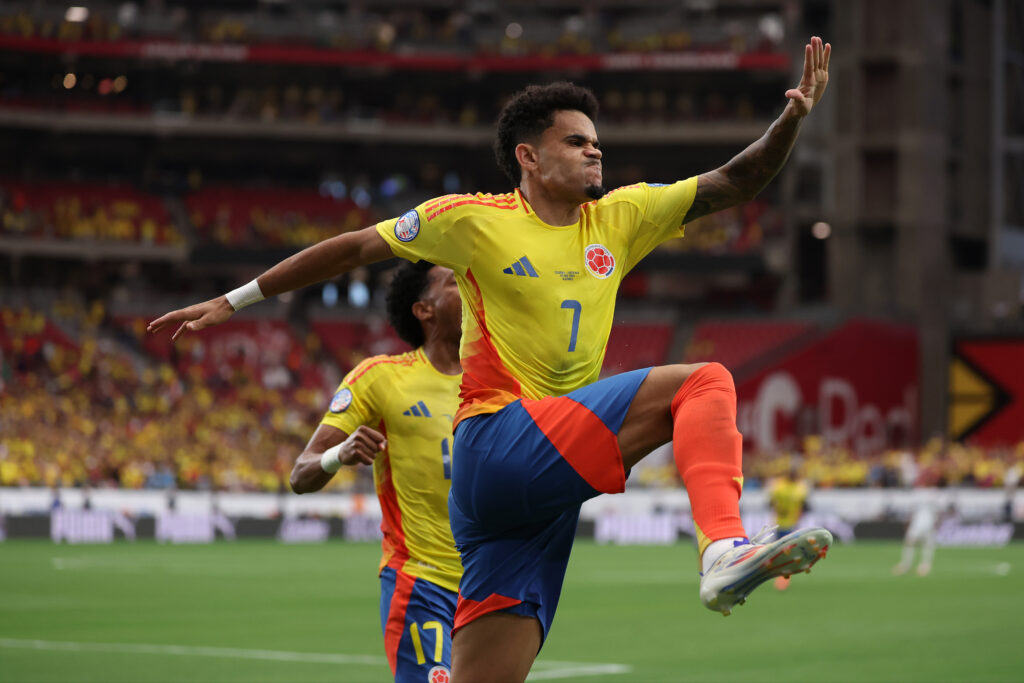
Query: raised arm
x=751, y=170
x=317, y=263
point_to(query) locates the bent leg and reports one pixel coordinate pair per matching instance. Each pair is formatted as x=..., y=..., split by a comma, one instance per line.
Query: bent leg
x=648, y=422
x=695, y=407
x=496, y=648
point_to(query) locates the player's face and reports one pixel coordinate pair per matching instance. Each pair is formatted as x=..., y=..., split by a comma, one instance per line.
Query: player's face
x=442, y=293
x=569, y=158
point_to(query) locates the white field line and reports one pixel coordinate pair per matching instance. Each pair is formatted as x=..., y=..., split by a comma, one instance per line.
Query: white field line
x=552, y=670
x=567, y=669
x=195, y=651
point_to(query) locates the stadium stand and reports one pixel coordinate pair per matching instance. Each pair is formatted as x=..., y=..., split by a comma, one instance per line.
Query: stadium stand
x=555, y=29
x=85, y=211
x=229, y=410
x=226, y=132
x=637, y=345
x=236, y=216
x=735, y=344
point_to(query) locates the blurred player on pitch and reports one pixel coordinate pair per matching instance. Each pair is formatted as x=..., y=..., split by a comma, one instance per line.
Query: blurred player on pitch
x=928, y=514
x=788, y=498
x=395, y=413
x=537, y=433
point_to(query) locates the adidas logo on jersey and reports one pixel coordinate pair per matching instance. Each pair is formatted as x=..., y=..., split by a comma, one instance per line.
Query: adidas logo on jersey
x=521, y=267
x=418, y=410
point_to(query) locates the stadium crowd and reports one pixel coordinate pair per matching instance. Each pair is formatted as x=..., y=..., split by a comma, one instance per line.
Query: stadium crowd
x=92, y=413
x=286, y=97
x=244, y=216
x=475, y=27
x=226, y=216
x=84, y=402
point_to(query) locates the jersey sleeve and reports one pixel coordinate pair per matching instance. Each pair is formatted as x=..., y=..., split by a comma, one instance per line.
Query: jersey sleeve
x=432, y=231
x=662, y=209
x=358, y=398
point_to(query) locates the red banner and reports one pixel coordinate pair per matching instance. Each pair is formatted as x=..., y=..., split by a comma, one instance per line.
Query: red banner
x=856, y=387
x=301, y=54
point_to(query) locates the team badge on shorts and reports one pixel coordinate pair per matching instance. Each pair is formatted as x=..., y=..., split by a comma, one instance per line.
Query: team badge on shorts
x=439, y=674
x=408, y=226
x=341, y=401
x=599, y=260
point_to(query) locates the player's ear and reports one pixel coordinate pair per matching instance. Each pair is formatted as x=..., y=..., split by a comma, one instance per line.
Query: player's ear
x=422, y=310
x=526, y=155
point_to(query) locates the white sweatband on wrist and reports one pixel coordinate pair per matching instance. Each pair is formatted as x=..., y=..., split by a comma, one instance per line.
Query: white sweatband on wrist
x=330, y=461
x=249, y=293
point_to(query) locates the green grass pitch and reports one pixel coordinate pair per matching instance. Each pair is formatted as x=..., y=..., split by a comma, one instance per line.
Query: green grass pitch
x=262, y=611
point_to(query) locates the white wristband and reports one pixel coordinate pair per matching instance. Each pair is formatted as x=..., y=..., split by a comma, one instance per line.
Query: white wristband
x=330, y=461
x=249, y=293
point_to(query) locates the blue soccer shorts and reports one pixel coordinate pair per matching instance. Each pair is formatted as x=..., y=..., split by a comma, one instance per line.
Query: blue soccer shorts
x=416, y=616
x=519, y=477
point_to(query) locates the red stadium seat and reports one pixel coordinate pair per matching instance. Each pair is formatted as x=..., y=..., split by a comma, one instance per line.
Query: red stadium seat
x=737, y=343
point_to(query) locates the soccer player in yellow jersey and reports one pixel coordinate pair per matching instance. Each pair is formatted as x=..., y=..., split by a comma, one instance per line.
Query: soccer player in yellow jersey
x=788, y=498
x=395, y=413
x=537, y=433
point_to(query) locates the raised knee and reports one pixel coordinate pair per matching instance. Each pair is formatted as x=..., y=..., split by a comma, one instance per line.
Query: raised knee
x=715, y=373
x=712, y=377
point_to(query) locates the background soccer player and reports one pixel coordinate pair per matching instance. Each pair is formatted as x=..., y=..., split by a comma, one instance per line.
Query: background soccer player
x=928, y=514
x=788, y=498
x=395, y=413
x=536, y=433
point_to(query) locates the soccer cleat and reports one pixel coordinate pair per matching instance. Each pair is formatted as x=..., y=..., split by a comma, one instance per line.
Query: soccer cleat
x=739, y=571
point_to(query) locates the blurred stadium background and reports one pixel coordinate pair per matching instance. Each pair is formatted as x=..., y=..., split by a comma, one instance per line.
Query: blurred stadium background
x=870, y=304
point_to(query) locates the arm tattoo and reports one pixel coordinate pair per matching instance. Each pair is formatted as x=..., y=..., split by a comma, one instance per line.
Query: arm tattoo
x=748, y=172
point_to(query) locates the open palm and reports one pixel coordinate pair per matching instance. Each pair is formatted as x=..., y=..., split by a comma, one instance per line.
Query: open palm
x=814, y=79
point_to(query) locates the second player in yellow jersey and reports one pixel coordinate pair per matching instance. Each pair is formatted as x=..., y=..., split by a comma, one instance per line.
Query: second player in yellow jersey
x=395, y=413
x=412, y=404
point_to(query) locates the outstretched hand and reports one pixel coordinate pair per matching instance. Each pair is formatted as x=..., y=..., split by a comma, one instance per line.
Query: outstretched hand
x=194, y=318
x=814, y=79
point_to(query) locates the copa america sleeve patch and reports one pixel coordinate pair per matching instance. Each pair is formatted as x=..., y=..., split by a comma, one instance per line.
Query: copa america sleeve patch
x=341, y=401
x=408, y=226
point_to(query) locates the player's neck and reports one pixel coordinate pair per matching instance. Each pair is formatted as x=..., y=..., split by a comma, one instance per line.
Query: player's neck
x=553, y=210
x=443, y=355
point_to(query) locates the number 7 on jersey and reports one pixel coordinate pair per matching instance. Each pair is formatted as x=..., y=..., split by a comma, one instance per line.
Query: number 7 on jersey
x=576, y=307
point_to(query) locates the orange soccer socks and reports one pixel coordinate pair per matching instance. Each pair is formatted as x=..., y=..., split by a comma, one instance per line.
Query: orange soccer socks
x=708, y=452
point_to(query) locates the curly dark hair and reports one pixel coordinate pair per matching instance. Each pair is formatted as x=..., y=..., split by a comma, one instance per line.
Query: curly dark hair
x=532, y=111
x=405, y=289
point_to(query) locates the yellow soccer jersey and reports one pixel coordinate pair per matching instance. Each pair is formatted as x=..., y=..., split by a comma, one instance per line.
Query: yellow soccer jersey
x=537, y=300
x=413, y=405
x=787, y=499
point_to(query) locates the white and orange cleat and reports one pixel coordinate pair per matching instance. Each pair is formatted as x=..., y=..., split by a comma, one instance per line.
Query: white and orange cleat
x=735, y=574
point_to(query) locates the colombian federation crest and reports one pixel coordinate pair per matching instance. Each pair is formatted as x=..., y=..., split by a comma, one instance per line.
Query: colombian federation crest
x=408, y=226
x=439, y=674
x=599, y=260
x=341, y=401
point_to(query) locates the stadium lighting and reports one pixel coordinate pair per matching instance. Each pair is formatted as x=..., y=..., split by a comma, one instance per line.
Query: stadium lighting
x=76, y=14
x=514, y=30
x=386, y=33
x=127, y=14
x=772, y=27
x=69, y=81
x=120, y=83
x=329, y=295
x=106, y=86
x=821, y=230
